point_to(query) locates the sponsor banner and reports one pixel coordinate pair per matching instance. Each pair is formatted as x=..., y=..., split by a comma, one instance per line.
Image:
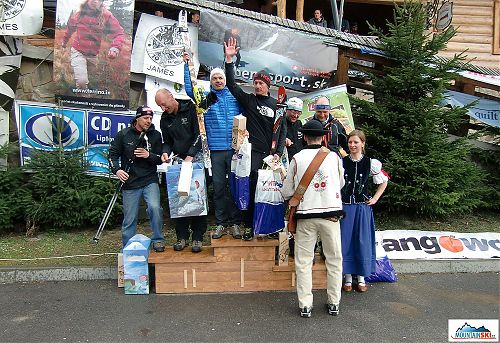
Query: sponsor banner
x=433, y=245
x=10, y=62
x=486, y=111
x=339, y=101
x=295, y=60
x=85, y=129
x=21, y=17
x=158, y=48
x=490, y=79
x=4, y=136
x=92, y=49
x=472, y=330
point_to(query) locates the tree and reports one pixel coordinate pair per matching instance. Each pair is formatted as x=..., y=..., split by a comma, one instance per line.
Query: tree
x=407, y=128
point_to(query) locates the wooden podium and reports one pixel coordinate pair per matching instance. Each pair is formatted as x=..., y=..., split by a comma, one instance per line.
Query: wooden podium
x=228, y=265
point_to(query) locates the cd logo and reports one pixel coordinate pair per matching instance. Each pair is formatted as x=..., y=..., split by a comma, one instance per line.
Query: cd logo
x=50, y=130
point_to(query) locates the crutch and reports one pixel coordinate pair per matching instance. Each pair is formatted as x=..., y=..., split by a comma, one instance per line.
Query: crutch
x=111, y=204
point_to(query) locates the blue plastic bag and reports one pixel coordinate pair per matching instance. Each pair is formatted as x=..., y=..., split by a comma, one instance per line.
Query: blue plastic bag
x=268, y=215
x=239, y=178
x=384, y=271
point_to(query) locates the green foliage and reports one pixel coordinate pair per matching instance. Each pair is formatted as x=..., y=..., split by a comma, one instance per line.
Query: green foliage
x=489, y=161
x=407, y=129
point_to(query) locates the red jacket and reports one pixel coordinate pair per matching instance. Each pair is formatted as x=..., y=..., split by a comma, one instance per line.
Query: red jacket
x=90, y=28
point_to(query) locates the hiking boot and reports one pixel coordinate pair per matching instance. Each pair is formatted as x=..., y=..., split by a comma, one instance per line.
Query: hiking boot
x=196, y=246
x=306, y=312
x=274, y=235
x=219, y=232
x=248, y=234
x=235, y=231
x=333, y=310
x=159, y=246
x=180, y=244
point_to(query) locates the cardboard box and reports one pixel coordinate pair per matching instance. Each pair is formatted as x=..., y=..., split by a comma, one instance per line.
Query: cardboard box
x=135, y=265
x=120, y=270
x=185, y=179
x=239, y=128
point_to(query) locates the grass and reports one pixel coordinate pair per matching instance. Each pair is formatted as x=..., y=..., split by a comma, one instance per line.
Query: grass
x=65, y=243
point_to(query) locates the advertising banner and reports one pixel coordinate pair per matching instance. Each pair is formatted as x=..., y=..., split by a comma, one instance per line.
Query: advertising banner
x=433, y=245
x=158, y=48
x=294, y=60
x=10, y=62
x=21, y=17
x=92, y=49
x=4, y=136
x=339, y=101
x=47, y=127
x=486, y=111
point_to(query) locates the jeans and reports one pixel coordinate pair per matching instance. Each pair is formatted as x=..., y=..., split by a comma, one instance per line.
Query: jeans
x=226, y=212
x=131, y=202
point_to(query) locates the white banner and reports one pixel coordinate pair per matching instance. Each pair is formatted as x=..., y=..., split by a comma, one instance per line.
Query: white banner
x=490, y=79
x=21, y=17
x=434, y=245
x=158, y=48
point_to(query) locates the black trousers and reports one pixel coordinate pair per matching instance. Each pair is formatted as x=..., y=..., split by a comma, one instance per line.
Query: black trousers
x=198, y=226
x=256, y=164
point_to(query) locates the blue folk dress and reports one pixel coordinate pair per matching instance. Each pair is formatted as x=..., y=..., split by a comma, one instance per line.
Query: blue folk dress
x=358, y=227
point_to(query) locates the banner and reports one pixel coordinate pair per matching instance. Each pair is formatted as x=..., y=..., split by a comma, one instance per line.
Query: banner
x=158, y=48
x=339, y=101
x=4, y=136
x=39, y=125
x=21, y=17
x=10, y=61
x=295, y=60
x=486, y=111
x=433, y=245
x=92, y=53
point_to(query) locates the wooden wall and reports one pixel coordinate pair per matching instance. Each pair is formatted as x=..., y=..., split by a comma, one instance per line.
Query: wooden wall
x=474, y=22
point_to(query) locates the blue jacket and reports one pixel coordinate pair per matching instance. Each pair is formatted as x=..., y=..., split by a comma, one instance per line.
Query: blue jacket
x=219, y=117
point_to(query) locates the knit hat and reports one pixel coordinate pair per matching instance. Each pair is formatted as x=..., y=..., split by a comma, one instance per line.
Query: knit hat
x=143, y=111
x=264, y=77
x=294, y=104
x=218, y=71
x=313, y=128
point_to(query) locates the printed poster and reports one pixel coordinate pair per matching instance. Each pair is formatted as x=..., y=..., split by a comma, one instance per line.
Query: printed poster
x=21, y=17
x=158, y=49
x=92, y=47
x=294, y=60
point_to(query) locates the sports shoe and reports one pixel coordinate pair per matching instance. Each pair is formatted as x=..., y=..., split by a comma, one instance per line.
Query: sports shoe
x=235, y=231
x=306, y=312
x=180, y=244
x=333, y=310
x=196, y=246
x=248, y=234
x=159, y=246
x=219, y=232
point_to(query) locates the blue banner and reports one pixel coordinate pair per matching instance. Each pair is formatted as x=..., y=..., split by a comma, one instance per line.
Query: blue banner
x=486, y=111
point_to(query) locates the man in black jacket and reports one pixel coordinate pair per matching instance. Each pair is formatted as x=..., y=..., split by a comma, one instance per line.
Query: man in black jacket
x=337, y=136
x=294, y=138
x=181, y=136
x=259, y=108
x=133, y=159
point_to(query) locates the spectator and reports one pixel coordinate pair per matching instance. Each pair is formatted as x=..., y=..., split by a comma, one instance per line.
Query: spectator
x=337, y=137
x=318, y=19
x=294, y=139
x=233, y=33
x=195, y=17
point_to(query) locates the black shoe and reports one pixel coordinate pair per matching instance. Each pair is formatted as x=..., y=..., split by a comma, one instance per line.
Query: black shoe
x=159, y=246
x=196, y=246
x=274, y=235
x=306, y=312
x=333, y=310
x=248, y=234
x=180, y=244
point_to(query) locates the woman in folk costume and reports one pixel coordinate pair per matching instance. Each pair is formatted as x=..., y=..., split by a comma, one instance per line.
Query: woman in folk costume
x=358, y=227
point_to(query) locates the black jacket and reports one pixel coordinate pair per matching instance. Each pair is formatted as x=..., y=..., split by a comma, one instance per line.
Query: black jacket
x=180, y=131
x=259, y=111
x=293, y=134
x=337, y=137
x=142, y=170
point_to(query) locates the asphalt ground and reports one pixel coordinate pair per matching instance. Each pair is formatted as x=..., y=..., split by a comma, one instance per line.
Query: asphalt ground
x=415, y=309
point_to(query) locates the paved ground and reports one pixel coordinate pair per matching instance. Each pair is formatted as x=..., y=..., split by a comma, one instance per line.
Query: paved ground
x=415, y=309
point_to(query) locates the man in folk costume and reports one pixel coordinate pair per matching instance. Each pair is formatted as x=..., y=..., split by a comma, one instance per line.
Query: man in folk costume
x=336, y=138
x=318, y=212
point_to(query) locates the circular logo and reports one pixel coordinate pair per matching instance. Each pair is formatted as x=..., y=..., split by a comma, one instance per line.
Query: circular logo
x=164, y=45
x=47, y=129
x=12, y=8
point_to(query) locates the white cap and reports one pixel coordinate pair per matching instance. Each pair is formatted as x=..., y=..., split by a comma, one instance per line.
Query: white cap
x=217, y=71
x=294, y=104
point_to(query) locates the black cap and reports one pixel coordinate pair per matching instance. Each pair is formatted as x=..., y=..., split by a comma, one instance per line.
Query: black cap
x=143, y=111
x=313, y=128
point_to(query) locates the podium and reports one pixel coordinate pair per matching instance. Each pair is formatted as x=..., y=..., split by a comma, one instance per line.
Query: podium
x=228, y=265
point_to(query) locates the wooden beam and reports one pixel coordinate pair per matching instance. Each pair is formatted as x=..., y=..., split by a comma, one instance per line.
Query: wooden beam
x=341, y=76
x=282, y=9
x=299, y=11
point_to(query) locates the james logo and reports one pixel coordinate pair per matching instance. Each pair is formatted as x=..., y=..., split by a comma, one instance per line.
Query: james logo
x=11, y=8
x=473, y=330
x=164, y=45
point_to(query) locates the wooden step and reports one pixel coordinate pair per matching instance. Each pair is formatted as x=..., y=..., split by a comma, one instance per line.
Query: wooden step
x=206, y=255
x=228, y=241
x=318, y=266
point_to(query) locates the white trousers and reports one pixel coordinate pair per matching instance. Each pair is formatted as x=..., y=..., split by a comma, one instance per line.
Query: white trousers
x=305, y=240
x=81, y=64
